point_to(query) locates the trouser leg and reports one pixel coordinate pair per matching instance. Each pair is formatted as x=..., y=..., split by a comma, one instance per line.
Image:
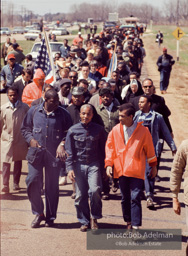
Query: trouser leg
x=166, y=80
x=162, y=80
x=52, y=167
x=95, y=185
x=136, y=186
x=33, y=182
x=105, y=185
x=6, y=173
x=125, y=198
x=186, y=216
x=81, y=200
x=17, y=171
x=149, y=182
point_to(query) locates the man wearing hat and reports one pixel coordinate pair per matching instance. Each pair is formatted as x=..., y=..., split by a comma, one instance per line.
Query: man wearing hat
x=78, y=39
x=78, y=99
x=10, y=72
x=19, y=56
x=164, y=64
x=108, y=110
x=63, y=86
x=77, y=102
x=109, y=113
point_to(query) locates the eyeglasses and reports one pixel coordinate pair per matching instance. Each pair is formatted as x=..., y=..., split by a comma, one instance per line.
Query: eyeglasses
x=72, y=76
x=148, y=86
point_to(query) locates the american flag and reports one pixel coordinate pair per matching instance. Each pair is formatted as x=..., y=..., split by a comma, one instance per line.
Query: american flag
x=43, y=62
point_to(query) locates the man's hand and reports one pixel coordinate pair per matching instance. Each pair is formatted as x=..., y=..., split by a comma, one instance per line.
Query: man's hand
x=176, y=206
x=153, y=172
x=34, y=144
x=61, y=153
x=71, y=175
x=172, y=135
x=3, y=83
x=109, y=171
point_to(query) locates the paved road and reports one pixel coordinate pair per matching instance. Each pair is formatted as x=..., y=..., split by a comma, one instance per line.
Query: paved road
x=17, y=238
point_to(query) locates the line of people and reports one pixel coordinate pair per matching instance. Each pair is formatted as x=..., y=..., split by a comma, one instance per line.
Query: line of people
x=86, y=125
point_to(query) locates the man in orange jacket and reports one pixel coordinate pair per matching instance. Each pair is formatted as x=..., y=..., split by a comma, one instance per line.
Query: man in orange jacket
x=127, y=147
x=33, y=91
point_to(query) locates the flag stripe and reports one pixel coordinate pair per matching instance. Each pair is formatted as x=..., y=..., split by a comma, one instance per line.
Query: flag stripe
x=43, y=62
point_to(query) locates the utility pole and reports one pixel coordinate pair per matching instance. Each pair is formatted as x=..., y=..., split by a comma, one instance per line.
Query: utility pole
x=177, y=23
x=177, y=13
x=22, y=14
x=12, y=14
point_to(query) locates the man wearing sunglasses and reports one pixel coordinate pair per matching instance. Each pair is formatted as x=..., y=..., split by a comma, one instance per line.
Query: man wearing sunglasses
x=73, y=76
x=158, y=102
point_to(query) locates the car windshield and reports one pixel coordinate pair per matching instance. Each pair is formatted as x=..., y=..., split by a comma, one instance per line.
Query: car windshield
x=54, y=47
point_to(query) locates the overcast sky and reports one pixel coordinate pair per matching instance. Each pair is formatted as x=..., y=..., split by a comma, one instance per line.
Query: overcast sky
x=44, y=6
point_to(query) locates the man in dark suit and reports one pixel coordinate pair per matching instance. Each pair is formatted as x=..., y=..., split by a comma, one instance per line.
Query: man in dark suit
x=39, y=101
x=23, y=81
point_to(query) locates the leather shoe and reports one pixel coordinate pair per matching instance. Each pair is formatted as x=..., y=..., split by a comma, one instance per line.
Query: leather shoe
x=49, y=223
x=84, y=228
x=150, y=203
x=94, y=225
x=129, y=226
x=16, y=186
x=5, y=189
x=37, y=220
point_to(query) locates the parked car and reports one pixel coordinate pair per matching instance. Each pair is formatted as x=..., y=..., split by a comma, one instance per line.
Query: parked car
x=5, y=31
x=67, y=24
x=130, y=27
x=55, y=46
x=60, y=31
x=109, y=24
x=18, y=30
x=32, y=34
x=28, y=28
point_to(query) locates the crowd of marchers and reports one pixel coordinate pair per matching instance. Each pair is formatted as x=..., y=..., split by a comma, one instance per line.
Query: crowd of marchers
x=97, y=123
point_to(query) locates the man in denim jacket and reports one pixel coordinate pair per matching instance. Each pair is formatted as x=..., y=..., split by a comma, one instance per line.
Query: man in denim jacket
x=10, y=72
x=158, y=129
x=44, y=128
x=85, y=147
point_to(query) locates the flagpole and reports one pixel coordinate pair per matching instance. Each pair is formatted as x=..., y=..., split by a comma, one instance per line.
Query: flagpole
x=49, y=54
x=113, y=59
